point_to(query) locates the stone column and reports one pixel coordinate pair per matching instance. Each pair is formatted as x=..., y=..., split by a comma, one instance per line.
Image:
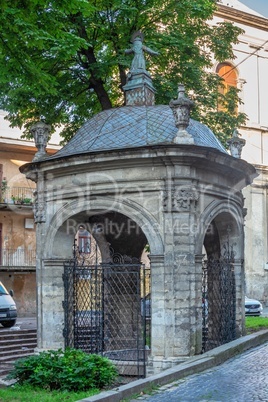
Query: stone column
x=184, y=281
x=50, y=295
x=174, y=280
x=184, y=286
x=239, y=273
x=157, y=360
x=196, y=308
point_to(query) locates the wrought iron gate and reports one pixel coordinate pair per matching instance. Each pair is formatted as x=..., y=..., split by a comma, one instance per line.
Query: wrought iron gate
x=218, y=303
x=106, y=311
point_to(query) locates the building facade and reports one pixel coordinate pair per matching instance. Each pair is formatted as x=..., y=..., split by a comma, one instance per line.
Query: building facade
x=17, y=228
x=249, y=73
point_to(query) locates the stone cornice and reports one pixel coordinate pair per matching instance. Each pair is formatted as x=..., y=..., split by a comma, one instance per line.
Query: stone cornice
x=161, y=155
x=261, y=168
x=242, y=17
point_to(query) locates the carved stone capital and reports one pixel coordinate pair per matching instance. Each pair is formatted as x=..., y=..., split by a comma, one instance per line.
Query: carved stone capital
x=180, y=198
x=184, y=197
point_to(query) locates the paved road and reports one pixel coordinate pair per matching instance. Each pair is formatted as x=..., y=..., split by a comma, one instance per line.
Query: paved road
x=241, y=379
x=26, y=322
x=22, y=323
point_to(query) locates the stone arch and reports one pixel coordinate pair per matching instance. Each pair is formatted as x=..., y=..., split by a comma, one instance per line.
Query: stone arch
x=221, y=216
x=226, y=61
x=123, y=303
x=59, y=232
x=227, y=68
x=220, y=237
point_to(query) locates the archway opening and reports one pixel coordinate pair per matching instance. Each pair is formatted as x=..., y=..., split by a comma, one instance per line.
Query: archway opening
x=218, y=283
x=107, y=291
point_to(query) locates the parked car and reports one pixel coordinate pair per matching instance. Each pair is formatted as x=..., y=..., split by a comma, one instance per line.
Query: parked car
x=253, y=307
x=8, y=309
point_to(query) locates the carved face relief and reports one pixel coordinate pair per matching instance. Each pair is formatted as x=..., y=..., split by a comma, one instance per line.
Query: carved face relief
x=181, y=198
x=184, y=197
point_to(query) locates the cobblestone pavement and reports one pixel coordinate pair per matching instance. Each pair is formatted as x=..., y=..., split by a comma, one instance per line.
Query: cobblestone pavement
x=241, y=379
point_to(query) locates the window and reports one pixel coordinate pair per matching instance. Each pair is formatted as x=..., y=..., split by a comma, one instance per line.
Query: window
x=229, y=75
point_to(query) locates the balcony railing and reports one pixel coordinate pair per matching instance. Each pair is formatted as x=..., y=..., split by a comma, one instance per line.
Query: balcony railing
x=17, y=195
x=17, y=258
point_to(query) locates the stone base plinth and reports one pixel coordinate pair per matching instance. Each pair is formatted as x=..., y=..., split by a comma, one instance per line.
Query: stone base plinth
x=157, y=364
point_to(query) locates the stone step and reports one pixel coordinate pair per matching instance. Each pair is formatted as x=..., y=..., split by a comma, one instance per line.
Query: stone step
x=15, y=345
x=10, y=358
x=14, y=351
x=7, y=365
x=5, y=370
x=14, y=342
x=9, y=334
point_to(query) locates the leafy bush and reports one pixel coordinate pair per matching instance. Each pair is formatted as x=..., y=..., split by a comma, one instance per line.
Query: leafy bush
x=69, y=370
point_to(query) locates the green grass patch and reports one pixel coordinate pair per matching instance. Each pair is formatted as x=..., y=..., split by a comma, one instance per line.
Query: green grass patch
x=254, y=324
x=20, y=393
x=59, y=376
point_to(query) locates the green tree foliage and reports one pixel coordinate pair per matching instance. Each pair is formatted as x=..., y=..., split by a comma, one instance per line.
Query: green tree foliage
x=63, y=60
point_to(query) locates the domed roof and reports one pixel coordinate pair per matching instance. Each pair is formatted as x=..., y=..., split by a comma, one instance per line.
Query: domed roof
x=131, y=127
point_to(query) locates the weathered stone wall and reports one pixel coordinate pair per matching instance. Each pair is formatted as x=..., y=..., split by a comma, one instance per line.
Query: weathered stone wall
x=50, y=293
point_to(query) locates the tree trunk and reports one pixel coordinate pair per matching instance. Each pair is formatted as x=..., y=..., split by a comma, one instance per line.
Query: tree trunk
x=97, y=85
x=91, y=64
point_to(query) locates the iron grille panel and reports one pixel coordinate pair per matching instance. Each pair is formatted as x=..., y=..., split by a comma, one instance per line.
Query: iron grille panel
x=105, y=312
x=218, y=304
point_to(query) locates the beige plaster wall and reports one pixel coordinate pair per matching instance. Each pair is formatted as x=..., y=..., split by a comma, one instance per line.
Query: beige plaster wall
x=24, y=286
x=14, y=233
x=256, y=235
x=16, y=240
x=251, y=62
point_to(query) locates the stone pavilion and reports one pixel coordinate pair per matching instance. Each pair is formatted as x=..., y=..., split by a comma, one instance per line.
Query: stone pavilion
x=135, y=176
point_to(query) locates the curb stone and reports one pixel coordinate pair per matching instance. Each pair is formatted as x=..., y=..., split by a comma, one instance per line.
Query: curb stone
x=194, y=365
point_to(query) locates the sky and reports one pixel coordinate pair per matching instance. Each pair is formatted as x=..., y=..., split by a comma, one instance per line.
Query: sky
x=261, y=6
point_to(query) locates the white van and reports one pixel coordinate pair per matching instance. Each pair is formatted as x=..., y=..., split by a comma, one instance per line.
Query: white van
x=8, y=309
